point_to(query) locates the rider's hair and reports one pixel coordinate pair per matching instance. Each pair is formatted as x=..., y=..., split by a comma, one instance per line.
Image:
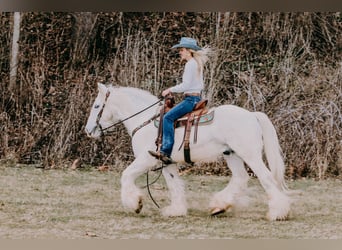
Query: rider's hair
x=202, y=56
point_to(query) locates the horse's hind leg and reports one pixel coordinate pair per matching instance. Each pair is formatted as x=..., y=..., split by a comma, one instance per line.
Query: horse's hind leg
x=234, y=194
x=279, y=202
x=131, y=195
x=175, y=184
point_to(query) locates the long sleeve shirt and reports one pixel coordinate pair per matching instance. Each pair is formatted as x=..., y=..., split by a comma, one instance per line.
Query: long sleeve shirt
x=192, y=80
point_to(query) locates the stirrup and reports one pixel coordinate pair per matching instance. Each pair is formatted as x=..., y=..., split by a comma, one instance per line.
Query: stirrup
x=160, y=156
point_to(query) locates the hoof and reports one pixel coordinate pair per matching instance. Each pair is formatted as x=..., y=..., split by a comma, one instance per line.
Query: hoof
x=140, y=205
x=172, y=211
x=285, y=218
x=282, y=218
x=217, y=211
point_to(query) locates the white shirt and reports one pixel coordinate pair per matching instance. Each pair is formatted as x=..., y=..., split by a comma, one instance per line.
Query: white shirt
x=192, y=80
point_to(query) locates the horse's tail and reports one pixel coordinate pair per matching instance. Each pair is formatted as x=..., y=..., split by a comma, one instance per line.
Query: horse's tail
x=272, y=149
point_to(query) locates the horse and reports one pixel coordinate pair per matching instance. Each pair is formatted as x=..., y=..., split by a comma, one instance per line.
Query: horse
x=245, y=135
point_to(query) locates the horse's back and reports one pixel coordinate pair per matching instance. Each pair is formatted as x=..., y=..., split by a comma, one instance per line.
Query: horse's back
x=232, y=113
x=236, y=125
x=232, y=108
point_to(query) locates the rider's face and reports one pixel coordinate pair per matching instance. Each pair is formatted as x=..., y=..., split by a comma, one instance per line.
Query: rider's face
x=185, y=54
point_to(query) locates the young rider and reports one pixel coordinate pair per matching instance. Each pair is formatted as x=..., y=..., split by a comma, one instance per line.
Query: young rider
x=191, y=86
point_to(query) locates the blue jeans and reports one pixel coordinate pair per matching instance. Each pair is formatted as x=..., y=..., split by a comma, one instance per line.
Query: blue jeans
x=184, y=107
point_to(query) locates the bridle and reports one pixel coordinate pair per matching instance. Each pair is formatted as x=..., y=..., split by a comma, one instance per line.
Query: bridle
x=99, y=115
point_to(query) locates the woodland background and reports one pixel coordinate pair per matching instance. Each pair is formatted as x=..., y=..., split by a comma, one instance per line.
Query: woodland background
x=287, y=65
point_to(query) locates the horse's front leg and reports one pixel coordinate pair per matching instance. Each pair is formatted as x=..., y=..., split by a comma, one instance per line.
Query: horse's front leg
x=131, y=195
x=175, y=184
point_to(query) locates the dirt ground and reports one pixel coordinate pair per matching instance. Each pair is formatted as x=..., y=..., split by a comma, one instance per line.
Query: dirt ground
x=79, y=204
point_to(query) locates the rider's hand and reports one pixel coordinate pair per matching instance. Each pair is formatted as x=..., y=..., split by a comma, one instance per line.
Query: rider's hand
x=166, y=92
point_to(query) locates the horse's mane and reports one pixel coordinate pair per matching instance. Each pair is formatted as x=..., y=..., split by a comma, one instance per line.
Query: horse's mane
x=138, y=95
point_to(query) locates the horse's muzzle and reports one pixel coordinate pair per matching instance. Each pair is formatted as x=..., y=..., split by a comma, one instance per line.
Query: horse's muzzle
x=87, y=132
x=91, y=132
x=94, y=132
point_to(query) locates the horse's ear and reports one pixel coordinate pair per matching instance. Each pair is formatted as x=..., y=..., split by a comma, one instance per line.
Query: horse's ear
x=102, y=88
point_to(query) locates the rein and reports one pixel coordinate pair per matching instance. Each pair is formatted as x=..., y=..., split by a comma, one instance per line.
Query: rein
x=119, y=122
x=148, y=184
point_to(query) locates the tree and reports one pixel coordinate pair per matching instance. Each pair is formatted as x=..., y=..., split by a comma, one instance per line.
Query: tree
x=15, y=50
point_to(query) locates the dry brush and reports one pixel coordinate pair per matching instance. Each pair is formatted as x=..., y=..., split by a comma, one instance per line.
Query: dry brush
x=287, y=65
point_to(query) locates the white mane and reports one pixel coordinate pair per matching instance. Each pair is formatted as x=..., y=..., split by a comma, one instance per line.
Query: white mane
x=138, y=96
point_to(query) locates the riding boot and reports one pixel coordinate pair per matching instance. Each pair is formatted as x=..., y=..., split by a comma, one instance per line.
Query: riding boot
x=161, y=156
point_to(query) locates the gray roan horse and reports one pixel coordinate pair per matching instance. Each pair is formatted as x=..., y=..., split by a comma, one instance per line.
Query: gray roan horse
x=234, y=129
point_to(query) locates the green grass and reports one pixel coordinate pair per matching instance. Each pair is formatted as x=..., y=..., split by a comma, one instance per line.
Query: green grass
x=66, y=204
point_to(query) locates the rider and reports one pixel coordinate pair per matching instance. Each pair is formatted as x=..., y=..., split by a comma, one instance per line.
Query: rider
x=192, y=86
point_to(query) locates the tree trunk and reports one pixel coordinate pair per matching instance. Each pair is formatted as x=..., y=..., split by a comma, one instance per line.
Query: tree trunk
x=15, y=50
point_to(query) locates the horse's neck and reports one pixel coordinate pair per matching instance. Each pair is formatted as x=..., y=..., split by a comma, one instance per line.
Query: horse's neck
x=131, y=101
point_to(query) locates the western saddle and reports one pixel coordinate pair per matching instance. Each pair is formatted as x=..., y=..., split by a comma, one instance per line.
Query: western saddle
x=188, y=121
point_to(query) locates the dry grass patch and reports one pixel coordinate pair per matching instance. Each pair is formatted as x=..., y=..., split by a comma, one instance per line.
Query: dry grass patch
x=66, y=204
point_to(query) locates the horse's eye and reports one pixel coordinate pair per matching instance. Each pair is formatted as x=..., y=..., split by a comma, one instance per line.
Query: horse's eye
x=96, y=106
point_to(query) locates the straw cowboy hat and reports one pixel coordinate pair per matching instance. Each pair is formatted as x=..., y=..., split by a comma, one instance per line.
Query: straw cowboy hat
x=187, y=42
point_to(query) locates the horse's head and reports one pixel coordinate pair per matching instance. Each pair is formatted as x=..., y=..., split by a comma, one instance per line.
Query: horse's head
x=101, y=117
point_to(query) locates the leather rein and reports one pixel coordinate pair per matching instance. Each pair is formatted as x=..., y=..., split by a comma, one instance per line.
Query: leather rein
x=99, y=115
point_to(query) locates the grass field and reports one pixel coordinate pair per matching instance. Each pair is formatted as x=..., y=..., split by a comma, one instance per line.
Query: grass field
x=67, y=204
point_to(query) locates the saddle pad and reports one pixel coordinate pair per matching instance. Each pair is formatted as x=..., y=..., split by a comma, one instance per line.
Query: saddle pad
x=204, y=120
